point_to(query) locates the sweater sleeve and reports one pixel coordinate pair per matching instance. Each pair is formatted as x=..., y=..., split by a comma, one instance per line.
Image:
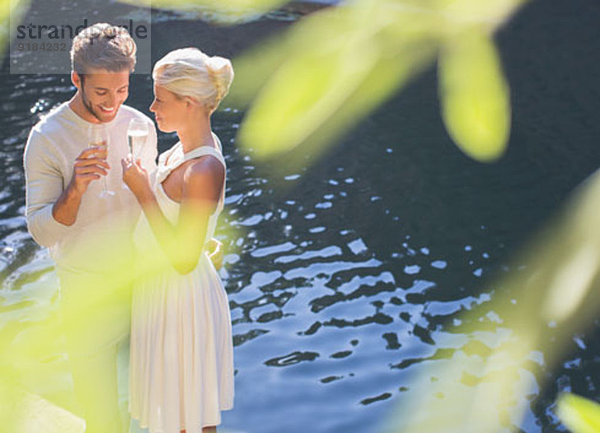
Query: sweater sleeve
x=44, y=185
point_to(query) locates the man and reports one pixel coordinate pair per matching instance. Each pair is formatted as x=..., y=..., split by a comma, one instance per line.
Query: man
x=90, y=234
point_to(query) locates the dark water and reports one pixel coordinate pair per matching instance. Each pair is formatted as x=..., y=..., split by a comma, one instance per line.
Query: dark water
x=343, y=275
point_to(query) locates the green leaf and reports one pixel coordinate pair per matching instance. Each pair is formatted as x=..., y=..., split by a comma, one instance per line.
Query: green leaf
x=305, y=93
x=337, y=67
x=9, y=11
x=580, y=415
x=467, y=12
x=474, y=95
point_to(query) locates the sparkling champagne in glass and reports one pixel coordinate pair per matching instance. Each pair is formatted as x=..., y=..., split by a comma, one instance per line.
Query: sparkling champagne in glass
x=137, y=133
x=99, y=138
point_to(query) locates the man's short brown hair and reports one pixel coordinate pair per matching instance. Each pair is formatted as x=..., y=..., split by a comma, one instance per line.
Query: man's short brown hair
x=103, y=46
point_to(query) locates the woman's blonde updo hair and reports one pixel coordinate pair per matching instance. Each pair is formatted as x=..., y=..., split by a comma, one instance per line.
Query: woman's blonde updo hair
x=190, y=72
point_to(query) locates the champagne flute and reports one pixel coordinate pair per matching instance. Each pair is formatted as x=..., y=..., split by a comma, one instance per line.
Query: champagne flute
x=137, y=133
x=99, y=138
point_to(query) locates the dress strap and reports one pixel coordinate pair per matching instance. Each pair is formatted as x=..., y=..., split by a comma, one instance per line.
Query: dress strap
x=207, y=150
x=174, y=157
x=202, y=151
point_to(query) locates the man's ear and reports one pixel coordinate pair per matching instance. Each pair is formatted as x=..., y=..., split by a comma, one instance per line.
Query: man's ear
x=76, y=79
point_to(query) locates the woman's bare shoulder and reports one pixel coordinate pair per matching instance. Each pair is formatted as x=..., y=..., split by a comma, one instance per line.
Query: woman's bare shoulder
x=203, y=174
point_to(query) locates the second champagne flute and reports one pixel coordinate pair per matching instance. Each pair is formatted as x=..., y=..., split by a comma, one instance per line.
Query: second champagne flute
x=137, y=132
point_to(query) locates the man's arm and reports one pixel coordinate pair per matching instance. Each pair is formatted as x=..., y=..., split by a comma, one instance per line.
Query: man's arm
x=66, y=208
x=51, y=208
x=43, y=185
x=89, y=166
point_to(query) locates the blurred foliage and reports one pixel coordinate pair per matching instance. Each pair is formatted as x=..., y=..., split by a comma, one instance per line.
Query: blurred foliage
x=482, y=384
x=9, y=10
x=336, y=66
x=31, y=413
x=335, y=71
x=474, y=94
x=93, y=312
x=5, y=7
x=579, y=414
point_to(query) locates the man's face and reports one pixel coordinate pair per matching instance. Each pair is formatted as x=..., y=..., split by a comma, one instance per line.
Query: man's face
x=102, y=93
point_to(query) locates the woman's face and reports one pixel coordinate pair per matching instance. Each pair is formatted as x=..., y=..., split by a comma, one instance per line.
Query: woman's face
x=169, y=110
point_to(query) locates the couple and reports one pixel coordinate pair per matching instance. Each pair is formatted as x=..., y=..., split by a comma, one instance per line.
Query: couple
x=153, y=229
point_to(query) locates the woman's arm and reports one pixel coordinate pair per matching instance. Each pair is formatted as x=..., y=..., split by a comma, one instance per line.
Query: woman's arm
x=184, y=242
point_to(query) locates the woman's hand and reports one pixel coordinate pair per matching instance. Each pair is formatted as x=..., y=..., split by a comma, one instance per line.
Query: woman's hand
x=135, y=177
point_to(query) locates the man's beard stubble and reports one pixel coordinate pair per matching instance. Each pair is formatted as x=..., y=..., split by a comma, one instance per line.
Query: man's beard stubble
x=87, y=105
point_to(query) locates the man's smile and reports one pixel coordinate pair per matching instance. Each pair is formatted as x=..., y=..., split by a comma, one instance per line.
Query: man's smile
x=107, y=110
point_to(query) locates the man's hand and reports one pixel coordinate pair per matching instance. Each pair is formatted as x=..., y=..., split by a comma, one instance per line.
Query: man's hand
x=215, y=253
x=90, y=165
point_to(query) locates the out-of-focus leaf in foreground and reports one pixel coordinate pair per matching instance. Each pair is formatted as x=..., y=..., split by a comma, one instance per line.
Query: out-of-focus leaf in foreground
x=481, y=377
x=579, y=414
x=5, y=6
x=492, y=13
x=36, y=414
x=337, y=66
x=36, y=390
x=474, y=94
x=9, y=9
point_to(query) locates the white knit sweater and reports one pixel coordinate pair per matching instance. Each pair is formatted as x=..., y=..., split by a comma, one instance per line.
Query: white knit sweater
x=100, y=239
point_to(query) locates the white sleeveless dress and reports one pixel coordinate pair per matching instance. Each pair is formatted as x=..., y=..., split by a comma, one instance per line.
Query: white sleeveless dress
x=181, y=353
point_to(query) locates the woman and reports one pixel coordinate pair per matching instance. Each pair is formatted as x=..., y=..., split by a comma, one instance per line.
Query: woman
x=181, y=364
